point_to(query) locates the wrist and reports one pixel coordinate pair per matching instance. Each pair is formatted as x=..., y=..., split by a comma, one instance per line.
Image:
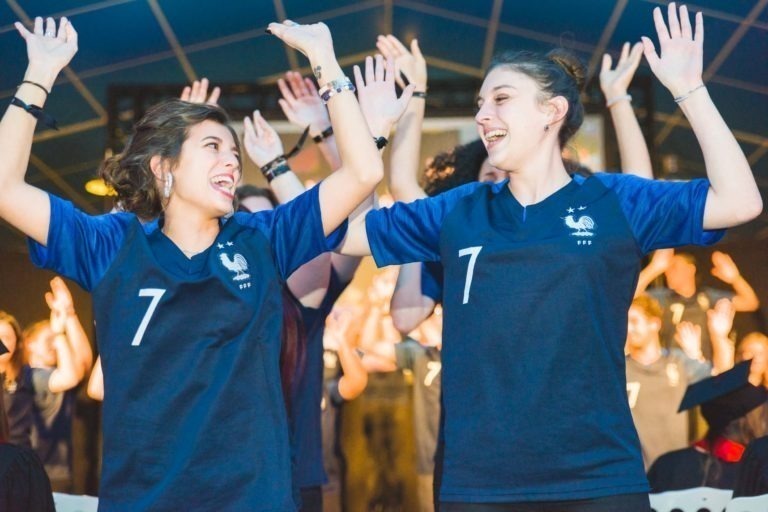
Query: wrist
x=42, y=75
x=325, y=67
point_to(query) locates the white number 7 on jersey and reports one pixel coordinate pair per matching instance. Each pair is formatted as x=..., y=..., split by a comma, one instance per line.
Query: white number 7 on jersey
x=472, y=252
x=155, y=293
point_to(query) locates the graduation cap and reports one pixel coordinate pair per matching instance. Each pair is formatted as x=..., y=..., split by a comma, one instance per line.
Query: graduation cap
x=3, y=348
x=725, y=397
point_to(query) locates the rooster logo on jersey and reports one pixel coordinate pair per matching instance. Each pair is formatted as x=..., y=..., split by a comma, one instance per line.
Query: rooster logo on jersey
x=238, y=264
x=583, y=226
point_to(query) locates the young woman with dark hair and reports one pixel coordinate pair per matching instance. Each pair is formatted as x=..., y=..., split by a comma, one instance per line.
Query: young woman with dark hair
x=188, y=306
x=539, y=274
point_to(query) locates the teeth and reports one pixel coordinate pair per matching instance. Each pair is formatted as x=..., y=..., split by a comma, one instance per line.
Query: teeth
x=222, y=181
x=494, y=135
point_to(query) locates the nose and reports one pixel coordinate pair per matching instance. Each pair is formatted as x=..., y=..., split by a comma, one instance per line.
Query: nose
x=483, y=114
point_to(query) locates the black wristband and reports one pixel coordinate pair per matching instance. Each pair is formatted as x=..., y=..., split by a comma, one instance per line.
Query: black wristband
x=323, y=135
x=420, y=94
x=36, y=112
x=275, y=168
x=380, y=142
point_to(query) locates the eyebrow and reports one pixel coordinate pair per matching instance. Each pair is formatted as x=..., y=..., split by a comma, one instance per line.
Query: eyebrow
x=503, y=86
x=220, y=141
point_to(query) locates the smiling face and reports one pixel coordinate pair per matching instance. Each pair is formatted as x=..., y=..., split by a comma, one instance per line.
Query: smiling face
x=512, y=117
x=207, y=171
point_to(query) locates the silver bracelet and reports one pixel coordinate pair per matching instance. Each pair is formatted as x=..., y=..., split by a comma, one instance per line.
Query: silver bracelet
x=611, y=102
x=679, y=99
x=334, y=87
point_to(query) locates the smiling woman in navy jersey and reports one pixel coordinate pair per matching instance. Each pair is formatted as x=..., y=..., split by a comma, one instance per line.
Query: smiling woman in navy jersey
x=539, y=274
x=187, y=305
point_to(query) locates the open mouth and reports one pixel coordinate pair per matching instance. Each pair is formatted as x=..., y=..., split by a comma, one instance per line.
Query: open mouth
x=225, y=184
x=494, y=136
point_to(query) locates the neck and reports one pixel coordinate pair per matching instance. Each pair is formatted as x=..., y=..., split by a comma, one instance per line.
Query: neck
x=686, y=290
x=648, y=354
x=191, y=235
x=538, y=177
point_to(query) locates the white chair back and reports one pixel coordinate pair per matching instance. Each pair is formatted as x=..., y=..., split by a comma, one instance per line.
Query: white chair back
x=749, y=504
x=72, y=503
x=699, y=499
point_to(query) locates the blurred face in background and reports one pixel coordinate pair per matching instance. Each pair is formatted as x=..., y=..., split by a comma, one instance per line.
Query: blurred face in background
x=641, y=329
x=681, y=273
x=8, y=338
x=755, y=347
x=39, y=348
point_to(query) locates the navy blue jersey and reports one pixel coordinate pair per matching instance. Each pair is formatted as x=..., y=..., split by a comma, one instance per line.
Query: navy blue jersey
x=535, y=302
x=193, y=411
x=306, y=403
x=432, y=281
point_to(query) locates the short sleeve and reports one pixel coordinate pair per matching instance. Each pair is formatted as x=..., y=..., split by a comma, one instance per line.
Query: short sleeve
x=80, y=247
x=404, y=354
x=432, y=281
x=408, y=232
x=41, y=378
x=295, y=230
x=663, y=214
x=694, y=370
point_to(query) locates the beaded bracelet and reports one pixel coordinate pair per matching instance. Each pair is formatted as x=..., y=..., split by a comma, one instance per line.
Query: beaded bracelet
x=335, y=87
x=611, y=102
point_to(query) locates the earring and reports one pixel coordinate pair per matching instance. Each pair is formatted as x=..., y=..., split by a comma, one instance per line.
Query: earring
x=168, y=185
x=546, y=128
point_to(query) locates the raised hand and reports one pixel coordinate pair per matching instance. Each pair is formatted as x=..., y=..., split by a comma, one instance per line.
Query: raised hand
x=302, y=104
x=720, y=319
x=409, y=63
x=49, y=49
x=59, y=300
x=688, y=336
x=724, y=268
x=378, y=100
x=262, y=143
x=680, y=65
x=661, y=260
x=198, y=93
x=310, y=40
x=615, y=82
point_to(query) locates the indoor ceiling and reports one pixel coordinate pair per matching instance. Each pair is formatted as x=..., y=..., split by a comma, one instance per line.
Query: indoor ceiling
x=124, y=42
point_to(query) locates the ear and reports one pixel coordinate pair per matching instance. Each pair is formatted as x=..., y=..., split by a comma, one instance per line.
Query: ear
x=557, y=108
x=158, y=166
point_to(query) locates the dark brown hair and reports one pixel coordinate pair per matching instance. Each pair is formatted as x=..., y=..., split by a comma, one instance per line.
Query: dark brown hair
x=558, y=73
x=454, y=168
x=17, y=358
x=161, y=132
x=246, y=191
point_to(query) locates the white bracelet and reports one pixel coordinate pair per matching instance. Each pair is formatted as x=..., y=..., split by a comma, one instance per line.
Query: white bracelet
x=334, y=87
x=611, y=102
x=679, y=99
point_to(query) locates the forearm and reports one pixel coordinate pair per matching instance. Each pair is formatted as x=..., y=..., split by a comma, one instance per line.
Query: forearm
x=96, y=382
x=646, y=277
x=355, y=377
x=633, y=150
x=722, y=353
x=734, y=197
x=329, y=151
x=409, y=307
x=406, y=150
x=310, y=282
x=746, y=299
x=67, y=373
x=354, y=141
x=81, y=346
